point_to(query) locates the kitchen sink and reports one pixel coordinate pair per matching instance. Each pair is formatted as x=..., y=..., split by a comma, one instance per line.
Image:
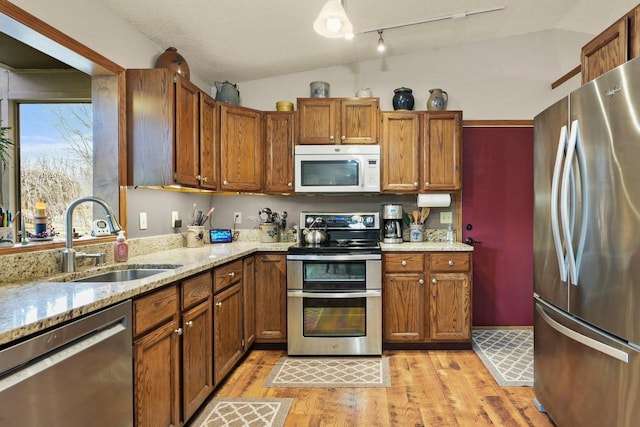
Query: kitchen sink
x=123, y=275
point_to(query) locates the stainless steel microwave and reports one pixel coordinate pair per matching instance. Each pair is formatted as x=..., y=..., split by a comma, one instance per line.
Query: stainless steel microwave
x=337, y=168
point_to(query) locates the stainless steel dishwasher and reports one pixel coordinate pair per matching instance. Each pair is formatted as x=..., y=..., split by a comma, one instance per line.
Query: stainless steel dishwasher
x=77, y=375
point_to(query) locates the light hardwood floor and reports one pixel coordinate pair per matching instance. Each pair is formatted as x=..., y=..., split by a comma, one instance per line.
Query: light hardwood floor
x=428, y=388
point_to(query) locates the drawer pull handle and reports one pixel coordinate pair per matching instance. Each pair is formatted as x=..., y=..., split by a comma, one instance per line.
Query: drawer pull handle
x=178, y=331
x=232, y=274
x=189, y=323
x=450, y=262
x=404, y=262
x=434, y=281
x=218, y=304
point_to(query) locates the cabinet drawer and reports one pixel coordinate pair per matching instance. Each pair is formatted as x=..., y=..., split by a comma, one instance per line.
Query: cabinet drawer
x=196, y=289
x=451, y=261
x=155, y=308
x=226, y=275
x=404, y=262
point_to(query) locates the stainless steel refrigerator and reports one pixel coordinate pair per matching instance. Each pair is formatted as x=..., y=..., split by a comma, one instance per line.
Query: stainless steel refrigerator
x=587, y=253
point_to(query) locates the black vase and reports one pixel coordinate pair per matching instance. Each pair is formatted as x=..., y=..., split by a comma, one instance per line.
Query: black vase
x=403, y=99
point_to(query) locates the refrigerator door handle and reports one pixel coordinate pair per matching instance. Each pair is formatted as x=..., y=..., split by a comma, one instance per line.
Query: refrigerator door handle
x=555, y=225
x=582, y=339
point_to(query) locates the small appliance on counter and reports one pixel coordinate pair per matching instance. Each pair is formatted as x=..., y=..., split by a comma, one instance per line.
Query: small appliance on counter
x=392, y=223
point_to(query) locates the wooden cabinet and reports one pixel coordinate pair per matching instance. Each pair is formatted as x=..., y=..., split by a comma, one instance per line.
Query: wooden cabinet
x=441, y=150
x=400, y=152
x=421, y=151
x=173, y=343
x=613, y=47
x=338, y=120
x=279, y=139
x=171, y=130
x=404, y=297
x=241, y=148
x=450, y=297
x=271, y=298
x=426, y=297
x=249, y=297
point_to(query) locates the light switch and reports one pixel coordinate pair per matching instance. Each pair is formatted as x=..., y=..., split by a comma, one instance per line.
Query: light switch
x=143, y=221
x=446, y=218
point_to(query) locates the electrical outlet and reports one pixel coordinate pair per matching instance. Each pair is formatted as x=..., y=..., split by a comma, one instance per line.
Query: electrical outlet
x=446, y=218
x=143, y=221
x=174, y=217
x=237, y=217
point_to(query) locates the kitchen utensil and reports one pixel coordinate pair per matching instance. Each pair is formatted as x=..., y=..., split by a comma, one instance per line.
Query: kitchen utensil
x=407, y=218
x=416, y=217
x=424, y=214
x=315, y=236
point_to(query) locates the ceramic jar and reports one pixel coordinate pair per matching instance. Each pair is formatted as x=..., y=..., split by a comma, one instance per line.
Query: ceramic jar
x=319, y=89
x=227, y=92
x=437, y=100
x=171, y=59
x=364, y=92
x=403, y=99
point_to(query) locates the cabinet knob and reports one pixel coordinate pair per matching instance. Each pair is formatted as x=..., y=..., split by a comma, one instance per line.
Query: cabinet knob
x=415, y=184
x=434, y=281
x=421, y=281
x=343, y=137
x=450, y=262
x=232, y=274
x=289, y=184
x=198, y=177
x=218, y=304
x=225, y=182
x=331, y=137
x=426, y=184
x=189, y=323
x=404, y=262
x=178, y=331
x=204, y=178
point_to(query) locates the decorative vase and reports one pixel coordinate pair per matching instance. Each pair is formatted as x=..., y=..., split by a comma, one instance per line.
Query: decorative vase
x=403, y=99
x=437, y=100
x=171, y=59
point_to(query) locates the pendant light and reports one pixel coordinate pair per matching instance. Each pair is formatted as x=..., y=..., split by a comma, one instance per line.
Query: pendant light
x=381, y=46
x=333, y=21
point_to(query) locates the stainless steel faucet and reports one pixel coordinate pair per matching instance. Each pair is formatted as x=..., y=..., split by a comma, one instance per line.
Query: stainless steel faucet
x=69, y=255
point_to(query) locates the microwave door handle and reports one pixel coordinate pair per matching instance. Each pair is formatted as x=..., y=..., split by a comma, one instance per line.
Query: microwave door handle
x=555, y=193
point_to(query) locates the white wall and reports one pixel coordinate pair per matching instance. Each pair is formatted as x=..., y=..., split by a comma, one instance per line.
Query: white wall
x=502, y=79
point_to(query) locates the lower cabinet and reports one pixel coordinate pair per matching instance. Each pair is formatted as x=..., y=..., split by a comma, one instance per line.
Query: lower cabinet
x=271, y=298
x=173, y=343
x=426, y=297
x=227, y=321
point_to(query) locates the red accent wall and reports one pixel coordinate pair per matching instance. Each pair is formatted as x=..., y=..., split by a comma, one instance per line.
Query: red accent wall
x=497, y=200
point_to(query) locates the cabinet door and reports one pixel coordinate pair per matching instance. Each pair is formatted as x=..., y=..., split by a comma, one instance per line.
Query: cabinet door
x=209, y=149
x=404, y=307
x=442, y=150
x=450, y=306
x=157, y=376
x=187, y=150
x=240, y=149
x=606, y=51
x=271, y=298
x=279, y=140
x=197, y=358
x=359, y=121
x=317, y=121
x=249, y=297
x=400, y=148
x=227, y=325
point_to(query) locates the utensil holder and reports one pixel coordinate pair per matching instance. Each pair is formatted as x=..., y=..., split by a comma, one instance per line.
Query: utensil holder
x=416, y=233
x=269, y=233
x=195, y=236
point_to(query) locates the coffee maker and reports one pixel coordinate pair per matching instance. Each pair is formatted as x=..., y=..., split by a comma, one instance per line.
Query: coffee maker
x=392, y=223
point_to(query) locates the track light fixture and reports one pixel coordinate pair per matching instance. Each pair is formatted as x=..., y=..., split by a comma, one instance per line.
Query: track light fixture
x=381, y=47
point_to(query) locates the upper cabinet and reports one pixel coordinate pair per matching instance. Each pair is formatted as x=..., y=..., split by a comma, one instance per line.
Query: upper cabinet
x=338, y=120
x=421, y=151
x=171, y=130
x=613, y=47
x=279, y=139
x=241, y=148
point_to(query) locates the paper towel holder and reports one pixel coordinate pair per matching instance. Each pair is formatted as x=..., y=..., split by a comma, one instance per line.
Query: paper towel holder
x=434, y=200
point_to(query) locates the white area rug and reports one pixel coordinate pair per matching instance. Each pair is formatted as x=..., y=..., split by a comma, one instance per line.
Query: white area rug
x=244, y=412
x=329, y=372
x=507, y=353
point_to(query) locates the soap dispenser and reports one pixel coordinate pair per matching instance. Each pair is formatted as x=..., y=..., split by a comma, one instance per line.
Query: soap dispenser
x=120, y=248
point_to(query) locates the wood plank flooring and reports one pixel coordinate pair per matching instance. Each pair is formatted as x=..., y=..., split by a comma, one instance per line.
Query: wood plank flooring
x=428, y=388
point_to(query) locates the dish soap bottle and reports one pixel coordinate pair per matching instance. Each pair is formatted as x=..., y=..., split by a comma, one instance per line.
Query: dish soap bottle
x=449, y=236
x=120, y=248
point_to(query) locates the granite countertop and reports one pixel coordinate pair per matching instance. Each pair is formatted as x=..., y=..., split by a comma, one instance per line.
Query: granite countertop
x=32, y=307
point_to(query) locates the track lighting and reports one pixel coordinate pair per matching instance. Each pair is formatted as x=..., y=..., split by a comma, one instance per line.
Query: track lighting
x=333, y=21
x=381, y=46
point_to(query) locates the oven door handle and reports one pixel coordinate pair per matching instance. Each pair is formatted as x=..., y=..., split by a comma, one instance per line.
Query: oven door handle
x=302, y=294
x=344, y=257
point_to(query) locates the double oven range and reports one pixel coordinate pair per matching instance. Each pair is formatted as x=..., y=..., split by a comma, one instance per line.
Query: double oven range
x=334, y=289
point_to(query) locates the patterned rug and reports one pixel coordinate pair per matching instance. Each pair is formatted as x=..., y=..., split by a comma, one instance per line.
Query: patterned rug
x=507, y=353
x=329, y=372
x=244, y=412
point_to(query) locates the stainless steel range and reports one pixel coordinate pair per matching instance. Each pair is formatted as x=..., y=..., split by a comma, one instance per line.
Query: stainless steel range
x=334, y=288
